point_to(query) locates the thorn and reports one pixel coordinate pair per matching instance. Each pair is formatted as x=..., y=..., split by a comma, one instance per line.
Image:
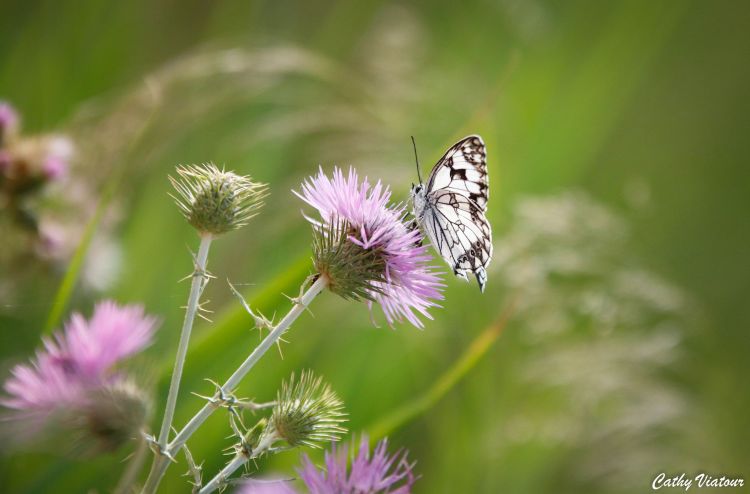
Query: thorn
x=221, y=398
x=157, y=448
x=252, y=406
x=298, y=301
x=195, y=470
x=205, y=318
x=278, y=345
x=259, y=319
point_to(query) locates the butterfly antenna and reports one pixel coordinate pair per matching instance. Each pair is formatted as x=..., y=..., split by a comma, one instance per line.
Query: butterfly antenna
x=416, y=158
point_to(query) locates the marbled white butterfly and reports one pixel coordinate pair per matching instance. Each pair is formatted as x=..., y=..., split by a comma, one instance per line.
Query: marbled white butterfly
x=451, y=208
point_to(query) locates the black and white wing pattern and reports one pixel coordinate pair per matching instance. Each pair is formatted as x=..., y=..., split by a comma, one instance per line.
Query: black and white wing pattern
x=463, y=170
x=451, y=210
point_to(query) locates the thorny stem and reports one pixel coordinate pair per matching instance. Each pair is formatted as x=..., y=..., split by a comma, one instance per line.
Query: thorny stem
x=200, y=277
x=161, y=462
x=239, y=459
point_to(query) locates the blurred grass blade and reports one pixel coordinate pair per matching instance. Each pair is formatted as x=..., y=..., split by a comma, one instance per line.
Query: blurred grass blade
x=465, y=363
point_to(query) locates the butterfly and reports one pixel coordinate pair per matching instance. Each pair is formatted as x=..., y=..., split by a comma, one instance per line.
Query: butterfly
x=451, y=208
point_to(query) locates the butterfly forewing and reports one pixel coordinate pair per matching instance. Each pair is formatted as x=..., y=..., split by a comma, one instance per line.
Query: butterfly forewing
x=463, y=170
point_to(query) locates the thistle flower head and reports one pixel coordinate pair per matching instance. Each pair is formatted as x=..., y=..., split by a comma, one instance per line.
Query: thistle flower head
x=374, y=473
x=365, y=250
x=72, y=379
x=216, y=201
x=307, y=412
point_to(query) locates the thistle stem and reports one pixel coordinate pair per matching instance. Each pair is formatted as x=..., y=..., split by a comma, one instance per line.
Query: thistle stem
x=161, y=463
x=187, y=326
x=196, y=289
x=239, y=459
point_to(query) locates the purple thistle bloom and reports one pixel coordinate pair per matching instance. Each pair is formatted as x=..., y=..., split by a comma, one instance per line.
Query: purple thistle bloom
x=255, y=486
x=79, y=359
x=371, y=474
x=403, y=284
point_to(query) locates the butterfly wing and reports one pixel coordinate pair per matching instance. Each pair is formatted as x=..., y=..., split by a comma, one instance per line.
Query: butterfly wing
x=461, y=234
x=463, y=170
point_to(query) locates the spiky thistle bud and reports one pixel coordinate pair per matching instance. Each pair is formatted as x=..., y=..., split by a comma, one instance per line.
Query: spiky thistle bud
x=307, y=412
x=216, y=201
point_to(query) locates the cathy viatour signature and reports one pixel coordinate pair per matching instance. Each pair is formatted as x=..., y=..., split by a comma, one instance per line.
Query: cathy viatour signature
x=700, y=480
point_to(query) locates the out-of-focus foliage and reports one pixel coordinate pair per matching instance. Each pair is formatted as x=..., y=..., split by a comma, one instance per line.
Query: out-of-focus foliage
x=617, y=149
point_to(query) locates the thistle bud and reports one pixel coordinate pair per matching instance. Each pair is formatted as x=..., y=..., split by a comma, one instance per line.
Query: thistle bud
x=216, y=201
x=307, y=412
x=111, y=416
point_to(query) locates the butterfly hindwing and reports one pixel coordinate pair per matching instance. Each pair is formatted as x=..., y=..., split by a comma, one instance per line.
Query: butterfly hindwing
x=460, y=233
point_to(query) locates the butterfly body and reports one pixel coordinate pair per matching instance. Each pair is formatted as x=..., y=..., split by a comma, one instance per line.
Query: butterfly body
x=451, y=208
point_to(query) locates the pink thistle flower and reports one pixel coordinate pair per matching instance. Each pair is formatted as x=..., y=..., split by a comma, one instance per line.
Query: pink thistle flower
x=79, y=359
x=366, y=250
x=374, y=473
x=270, y=486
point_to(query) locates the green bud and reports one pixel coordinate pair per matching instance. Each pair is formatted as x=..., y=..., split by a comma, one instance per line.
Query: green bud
x=307, y=412
x=216, y=201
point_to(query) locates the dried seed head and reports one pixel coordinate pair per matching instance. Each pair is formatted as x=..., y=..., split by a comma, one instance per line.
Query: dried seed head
x=307, y=412
x=216, y=201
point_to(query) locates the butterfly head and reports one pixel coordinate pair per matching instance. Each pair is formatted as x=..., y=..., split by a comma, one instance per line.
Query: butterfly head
x=418, y=199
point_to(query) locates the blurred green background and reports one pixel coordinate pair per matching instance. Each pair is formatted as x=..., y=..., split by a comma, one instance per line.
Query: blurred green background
x=617, y=137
